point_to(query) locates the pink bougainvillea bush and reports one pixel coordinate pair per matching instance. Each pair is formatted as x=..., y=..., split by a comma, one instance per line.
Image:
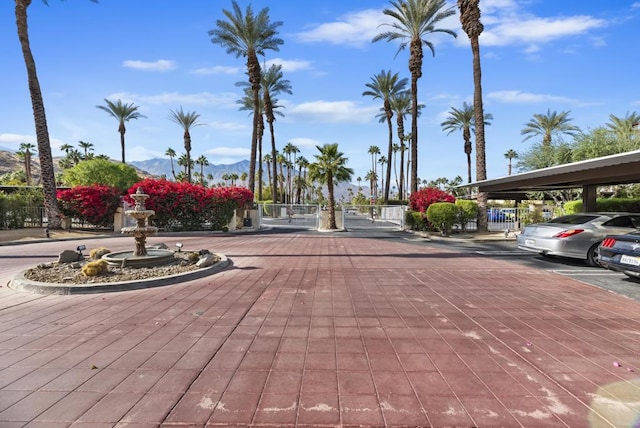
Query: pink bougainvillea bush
x=420, y=201
x=190, y=206
x=90, y=204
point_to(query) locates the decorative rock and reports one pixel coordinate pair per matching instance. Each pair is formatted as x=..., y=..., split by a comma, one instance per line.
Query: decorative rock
x=203, y=252
x=206, y=261
x=75, y=265
x=68, y=256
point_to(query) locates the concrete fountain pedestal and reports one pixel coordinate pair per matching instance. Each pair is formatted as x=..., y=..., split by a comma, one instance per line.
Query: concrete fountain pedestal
x=141, y=256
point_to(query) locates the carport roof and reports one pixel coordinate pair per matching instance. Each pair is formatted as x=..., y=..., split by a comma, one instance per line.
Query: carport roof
x=621, y=168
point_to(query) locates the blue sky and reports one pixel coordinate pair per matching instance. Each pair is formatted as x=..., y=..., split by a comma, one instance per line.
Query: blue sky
x=570, y=55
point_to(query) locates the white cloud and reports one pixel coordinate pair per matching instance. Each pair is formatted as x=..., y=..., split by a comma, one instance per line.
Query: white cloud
x=14, y=140
x=218, y=69
x=305, y=142
x=519, y=97
x=225, y=99
x=141, y=153
x=227, y=155
x=290, y=64
x=159, y=65
x=332, y=112
x=229, y=126
x=354, y=29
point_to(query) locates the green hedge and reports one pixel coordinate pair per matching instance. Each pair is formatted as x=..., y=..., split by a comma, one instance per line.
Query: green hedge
x=468, y=211
x=606, y=205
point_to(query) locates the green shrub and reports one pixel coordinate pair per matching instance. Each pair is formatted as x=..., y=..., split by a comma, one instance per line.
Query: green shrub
x=19, y=207
x=443, y=215
x=606, y=205
x=415, y=220
x=468, y=211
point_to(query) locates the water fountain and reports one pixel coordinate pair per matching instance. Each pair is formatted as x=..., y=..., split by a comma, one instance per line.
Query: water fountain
x=141, y=256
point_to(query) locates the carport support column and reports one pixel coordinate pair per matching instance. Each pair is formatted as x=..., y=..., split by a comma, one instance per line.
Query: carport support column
x=589, y=198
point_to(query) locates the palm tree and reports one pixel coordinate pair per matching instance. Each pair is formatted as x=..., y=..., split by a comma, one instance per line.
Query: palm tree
x=624, y=129
x=248, y=36
x=359, y=180
x=66, y=148
x=385, y=86
x=330, y=168
x=374, y=151
x=246, y=103
x=243, y=177
x=290, y=150
x=383, y=161
x=202, y=161
x=87, y=147
x=172, y=154
x=267, y=159
x=413, y=20
x=470, y=20
x=280, y=160
x=373, y=178
x=186, y=120
x=303, y=164
x=510, y=155
x=273, y=83
x=401, y=106
x=122, y=112
x=464, y=120
x=26, y=151
x=548, y=125
x=47, y=174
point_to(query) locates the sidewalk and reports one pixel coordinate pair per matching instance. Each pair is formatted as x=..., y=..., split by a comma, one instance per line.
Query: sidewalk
x=320, y=331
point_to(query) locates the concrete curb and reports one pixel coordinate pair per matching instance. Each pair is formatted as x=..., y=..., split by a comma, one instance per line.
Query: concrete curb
x=20, y=283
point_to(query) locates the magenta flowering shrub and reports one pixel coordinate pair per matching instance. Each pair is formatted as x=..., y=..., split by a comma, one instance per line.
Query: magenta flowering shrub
x=191, y=205
x=95, y=204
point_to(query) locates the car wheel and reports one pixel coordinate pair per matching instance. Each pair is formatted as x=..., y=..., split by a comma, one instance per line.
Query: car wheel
x=592, y=255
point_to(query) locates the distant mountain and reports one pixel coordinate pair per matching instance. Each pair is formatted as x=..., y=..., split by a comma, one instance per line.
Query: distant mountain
x=160, y=166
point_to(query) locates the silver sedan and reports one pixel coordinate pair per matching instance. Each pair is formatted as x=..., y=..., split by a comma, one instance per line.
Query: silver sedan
x=577, y=235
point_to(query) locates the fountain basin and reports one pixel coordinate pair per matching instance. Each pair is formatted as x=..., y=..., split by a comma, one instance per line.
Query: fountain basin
x=154, y=257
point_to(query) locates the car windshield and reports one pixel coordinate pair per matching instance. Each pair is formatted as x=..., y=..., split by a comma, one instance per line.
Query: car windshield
x=574, y=219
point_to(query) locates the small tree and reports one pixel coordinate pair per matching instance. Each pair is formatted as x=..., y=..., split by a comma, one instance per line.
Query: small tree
x=443, y=216
x=102, y=172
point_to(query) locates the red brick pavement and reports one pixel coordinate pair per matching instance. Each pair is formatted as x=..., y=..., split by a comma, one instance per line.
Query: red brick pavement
x=316, y=331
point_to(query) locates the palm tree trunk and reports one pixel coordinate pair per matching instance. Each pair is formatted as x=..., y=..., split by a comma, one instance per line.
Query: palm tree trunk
x=389, y=153
x=415, y=67
x=253, y=69
x=122, y=131
x=42, y=133
x=274, y=156
x=481, y=163
x=187, y=149
x=259, y=158
x=332, y=208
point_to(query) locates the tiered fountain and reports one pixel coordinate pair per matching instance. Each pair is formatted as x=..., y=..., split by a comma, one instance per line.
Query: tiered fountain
x=141, y=256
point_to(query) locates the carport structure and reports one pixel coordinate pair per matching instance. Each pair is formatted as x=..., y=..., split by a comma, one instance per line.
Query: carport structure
x=622, y=168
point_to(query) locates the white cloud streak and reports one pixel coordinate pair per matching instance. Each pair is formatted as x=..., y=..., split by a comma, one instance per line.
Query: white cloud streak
x=217, y=69
x=225, y=99
x=332, y=112
x=519, y=97
x=159, y=65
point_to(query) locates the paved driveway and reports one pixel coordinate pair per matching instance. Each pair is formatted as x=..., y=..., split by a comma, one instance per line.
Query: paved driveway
x=320, y=330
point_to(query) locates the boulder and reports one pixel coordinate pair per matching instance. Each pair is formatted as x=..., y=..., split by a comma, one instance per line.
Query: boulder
x=68, y=256
x=206, y=261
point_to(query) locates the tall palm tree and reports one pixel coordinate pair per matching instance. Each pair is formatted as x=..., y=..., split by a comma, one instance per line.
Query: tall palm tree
x=86, y=147
x=248, y=35
x=66, y=148
x=280, y=160
x=303, y=164
x=510, y=155
x=25, y=151
x=330, y=168
x=246, y=103
x=172, y=154
x=470, y=20
x=122, y=112
x=374, y=151
x=186, y=120
x=267, y=160
x=273, y=83
x=47, y=174
x=463, y=119
x=290, y=150
x=548, y=125
x=413, y=20
x=202, y=161
x=383, y=161
x=385, y=86
x=401, y=106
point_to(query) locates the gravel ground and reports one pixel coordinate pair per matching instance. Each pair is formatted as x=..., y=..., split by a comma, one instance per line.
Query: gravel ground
x=71, y=273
